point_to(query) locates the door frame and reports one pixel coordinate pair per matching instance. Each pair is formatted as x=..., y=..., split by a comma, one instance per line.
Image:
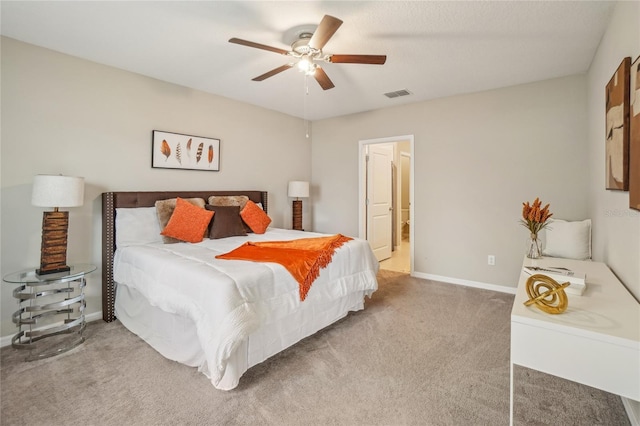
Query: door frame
x=362, y=193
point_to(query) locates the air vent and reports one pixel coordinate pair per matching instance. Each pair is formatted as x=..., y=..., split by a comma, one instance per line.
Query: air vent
x=397, y=93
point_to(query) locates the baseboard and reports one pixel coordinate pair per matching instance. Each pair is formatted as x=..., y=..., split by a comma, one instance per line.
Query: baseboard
x=466, y=283
x=633, y=411
x=6, y=340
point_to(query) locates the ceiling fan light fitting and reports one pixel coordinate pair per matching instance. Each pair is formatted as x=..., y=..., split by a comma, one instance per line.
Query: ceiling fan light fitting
x=312, y=70
x=306, y=65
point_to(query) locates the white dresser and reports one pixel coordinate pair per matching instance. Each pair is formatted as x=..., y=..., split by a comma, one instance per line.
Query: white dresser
x=596, y=341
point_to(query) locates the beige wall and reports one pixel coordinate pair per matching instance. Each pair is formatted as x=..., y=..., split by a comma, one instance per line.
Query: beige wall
x=616, y=230
x=62, y=114
x=477, y=158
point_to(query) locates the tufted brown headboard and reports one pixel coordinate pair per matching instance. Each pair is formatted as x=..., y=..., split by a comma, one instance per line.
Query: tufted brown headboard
x=113, y=200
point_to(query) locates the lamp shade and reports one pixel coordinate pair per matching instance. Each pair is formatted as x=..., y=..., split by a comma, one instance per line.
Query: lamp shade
x=57, y=191
x=299, y=189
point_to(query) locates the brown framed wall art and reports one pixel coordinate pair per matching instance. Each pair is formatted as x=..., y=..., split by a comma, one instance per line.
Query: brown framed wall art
x=617, y=128
x=634, y=136
x=187, y=152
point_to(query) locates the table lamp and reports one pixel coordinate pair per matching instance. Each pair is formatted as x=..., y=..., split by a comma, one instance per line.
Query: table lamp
x=55, y=191
x=298, y=189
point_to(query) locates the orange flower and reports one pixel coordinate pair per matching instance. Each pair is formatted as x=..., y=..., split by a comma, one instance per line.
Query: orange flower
x=535, y=218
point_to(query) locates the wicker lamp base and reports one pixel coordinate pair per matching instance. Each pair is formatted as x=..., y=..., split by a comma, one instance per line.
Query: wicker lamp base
x=297, y=215
x=53, y=251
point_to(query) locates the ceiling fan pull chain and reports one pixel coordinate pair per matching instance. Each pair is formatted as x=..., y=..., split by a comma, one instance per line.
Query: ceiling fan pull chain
x=306, y=94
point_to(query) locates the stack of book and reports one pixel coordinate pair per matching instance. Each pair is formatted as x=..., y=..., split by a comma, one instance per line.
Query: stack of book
x=577, y=283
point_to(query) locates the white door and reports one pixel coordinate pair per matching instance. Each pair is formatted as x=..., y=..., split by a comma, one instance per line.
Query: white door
x=379, y=199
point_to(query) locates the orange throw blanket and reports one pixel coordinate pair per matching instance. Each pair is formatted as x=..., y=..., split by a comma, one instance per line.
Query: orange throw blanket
x=303, y=258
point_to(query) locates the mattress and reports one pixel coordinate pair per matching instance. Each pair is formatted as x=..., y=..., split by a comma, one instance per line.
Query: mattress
x=223, y=316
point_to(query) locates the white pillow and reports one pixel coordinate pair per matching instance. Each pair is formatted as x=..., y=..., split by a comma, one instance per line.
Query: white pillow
x=568, y=239
x=136, y=226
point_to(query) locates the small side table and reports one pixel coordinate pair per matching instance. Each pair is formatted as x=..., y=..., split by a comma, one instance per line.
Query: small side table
x=41, y=299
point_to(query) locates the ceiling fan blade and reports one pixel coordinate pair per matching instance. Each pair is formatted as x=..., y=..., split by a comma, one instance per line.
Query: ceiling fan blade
x=358, y=59
x=272, y=72
x=257, y=45
x=323, y=79
x=327, y=28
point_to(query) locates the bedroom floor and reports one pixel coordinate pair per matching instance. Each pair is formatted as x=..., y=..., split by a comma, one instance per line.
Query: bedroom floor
x=400, y=260
x=420, y=353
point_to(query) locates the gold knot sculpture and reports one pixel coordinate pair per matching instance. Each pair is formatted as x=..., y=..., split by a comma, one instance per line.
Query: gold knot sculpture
x=547, y=294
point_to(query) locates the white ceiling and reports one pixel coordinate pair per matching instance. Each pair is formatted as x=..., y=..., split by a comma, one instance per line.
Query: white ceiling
x=434, y=49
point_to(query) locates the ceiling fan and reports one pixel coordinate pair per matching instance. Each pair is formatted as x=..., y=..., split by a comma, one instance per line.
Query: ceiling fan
x=307, y=48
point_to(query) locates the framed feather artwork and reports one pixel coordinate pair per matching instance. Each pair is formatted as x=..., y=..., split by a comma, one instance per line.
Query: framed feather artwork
x=187, y=152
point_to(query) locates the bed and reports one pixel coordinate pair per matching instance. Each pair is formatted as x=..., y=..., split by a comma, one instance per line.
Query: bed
x=220, y=316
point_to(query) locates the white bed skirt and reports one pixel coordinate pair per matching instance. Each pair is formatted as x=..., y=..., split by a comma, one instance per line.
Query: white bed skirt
x=175, y=336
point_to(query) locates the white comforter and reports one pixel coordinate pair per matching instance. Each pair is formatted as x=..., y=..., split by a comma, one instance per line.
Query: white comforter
x=229, y=299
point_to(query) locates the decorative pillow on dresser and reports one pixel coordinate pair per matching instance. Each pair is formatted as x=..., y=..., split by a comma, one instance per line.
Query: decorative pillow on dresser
x=568, y=239
x=164, y=210
x=226, y=222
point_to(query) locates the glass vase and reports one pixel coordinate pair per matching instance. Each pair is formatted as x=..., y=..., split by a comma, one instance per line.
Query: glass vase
x=534, y=250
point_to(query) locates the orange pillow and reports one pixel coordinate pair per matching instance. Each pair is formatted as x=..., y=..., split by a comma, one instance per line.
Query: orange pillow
x=188, y=222
x=255, y=217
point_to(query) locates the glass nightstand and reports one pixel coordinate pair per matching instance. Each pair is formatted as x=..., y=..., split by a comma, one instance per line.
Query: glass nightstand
x=42, y=299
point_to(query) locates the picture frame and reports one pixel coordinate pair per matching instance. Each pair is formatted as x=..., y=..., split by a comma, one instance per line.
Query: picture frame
x=634, y=135
x=187, y=152
x=617, y=128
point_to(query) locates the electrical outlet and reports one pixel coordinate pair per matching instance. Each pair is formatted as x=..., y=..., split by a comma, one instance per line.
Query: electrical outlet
x=491, y=260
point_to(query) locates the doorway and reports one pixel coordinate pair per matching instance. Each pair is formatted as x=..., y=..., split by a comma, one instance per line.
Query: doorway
x=385, y=195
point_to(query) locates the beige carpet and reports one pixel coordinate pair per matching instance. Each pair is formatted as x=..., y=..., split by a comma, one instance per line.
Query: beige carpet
x=421, y=353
